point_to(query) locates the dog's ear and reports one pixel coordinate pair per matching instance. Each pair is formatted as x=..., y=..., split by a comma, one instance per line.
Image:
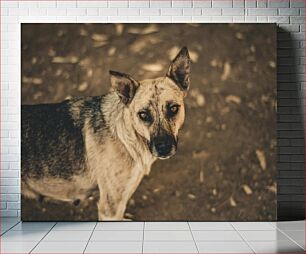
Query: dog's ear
x=124, y=85
x=179, y=70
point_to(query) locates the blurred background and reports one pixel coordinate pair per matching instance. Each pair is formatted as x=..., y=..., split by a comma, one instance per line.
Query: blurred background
x=225, y=167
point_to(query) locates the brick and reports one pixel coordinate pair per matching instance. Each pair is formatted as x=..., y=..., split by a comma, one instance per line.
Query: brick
x=9, y=173
x=211, y=11
x=262, y=3
x=76, y=11
x=238, y=3
x=192, y=11
x=118, y=4
x=172, y=11
x=250, y=3
x=56, y=12
x=9, y=213
x=13, y=205
x=234, y=11
x=138, y=19
x=202, y=3
x=181, y=3
x=297, y=3
x=18, y=12
x=66, y=4
x=160, y=19
x=92, y=11
x=90, y=4
x=278, y=3
x=9, y=197
x=222, y=3
x=128, y=11
x=291, y=150
x=160, y=4
x=297, y=20
x=222, y=19
x=38, y=11
x=108, y=11
x=8, y=181
x=179, y=19
x=139, y=4
x=150, y=12
x=201, y=19
x=262, y=12
x=289, y=11
x=279, y=20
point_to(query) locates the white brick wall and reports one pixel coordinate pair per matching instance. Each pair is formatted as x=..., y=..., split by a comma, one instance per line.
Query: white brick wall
x=288, y=13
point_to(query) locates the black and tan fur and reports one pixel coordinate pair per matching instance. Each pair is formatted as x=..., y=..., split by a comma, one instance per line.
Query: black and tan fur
x=109, y=141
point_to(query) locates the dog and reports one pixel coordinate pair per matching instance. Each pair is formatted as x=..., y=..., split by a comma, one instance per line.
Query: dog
x=109, y=141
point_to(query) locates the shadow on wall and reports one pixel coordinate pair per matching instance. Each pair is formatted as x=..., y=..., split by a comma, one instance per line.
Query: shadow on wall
x=290, y=127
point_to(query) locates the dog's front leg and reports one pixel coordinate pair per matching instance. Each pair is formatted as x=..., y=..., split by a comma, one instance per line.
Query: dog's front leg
x=114, y=197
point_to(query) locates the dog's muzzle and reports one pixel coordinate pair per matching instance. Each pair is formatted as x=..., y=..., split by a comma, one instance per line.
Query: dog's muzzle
x=163, y=146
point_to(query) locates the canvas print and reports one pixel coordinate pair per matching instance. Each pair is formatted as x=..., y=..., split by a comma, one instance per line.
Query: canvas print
x=148, y=122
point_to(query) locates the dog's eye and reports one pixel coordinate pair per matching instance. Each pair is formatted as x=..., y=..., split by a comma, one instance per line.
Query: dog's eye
x=172, y=110
x=145, y=116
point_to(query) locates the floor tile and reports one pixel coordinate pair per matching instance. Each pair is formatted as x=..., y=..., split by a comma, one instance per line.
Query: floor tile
x=9, y=220
x=224, y=247
x=276, y=247
x=291, y=225
x=120, y=226
x=33, y=226
x=295, y=235
x=69, y=236
x=114, y=247
x=17, y=247
x=169, y=247
x=221, y=226
x=166, y=226
x=107, y=236
x=60, y=247
x=216, y=236
x=167, y=236
x=252, y=226
x=22, y=236
x=274, y=235
x=63, y=226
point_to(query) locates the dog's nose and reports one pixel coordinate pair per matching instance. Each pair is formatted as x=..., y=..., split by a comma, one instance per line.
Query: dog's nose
x=164, y=145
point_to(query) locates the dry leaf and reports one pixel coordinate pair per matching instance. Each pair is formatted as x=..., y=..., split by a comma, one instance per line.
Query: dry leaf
x=201, y=176
x=98, y=44
x=83, y=32
x=99, y=37
x=247, y=189
x=83, y=87
x=261, y=158
x=193, y=56
x=111, y=51
x=233, y=98
x=191, y=196
x=239, y=36
x=200, y=155
x=67, y=59
x=232, y=202
x=32, y=80
x=152, y=67
x=226, y=71
x=272, y=188
x=272, y=64
x=119, y=29
x=152, y=28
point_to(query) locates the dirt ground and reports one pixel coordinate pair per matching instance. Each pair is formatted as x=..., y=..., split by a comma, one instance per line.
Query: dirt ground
x=225, y=167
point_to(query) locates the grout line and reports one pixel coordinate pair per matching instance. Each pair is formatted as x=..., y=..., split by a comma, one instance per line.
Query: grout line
x=90, y=236
x=42, y=238
x=247, y=243
x=143, y=232
x=193, y=238
x=290, y=238
x=10, y=228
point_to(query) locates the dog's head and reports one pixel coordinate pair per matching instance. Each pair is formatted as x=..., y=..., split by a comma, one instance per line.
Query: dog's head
x=156, y=106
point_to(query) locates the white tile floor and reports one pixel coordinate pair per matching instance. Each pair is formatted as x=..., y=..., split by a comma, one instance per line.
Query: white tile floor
x=152, y=237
